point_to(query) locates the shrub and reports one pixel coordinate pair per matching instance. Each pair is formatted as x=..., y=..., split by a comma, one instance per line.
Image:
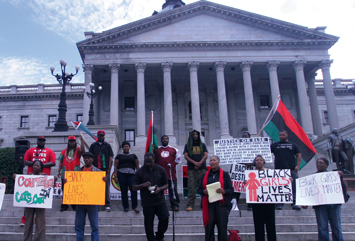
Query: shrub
x=8, y=166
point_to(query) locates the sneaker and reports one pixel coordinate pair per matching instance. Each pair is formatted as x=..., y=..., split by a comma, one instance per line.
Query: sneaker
x=23, y=220
x=189, y=209
x=136, y=210
x=296, y=207
x=126, y=209
x=108, y=209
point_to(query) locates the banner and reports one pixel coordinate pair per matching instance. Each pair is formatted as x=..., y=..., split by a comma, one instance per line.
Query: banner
x=318, y=189
x=33, y=191
x=57, y=190
x=2, y=193
x=84, y=188
x=242, y=150
x=268, y=186
x=237, y=175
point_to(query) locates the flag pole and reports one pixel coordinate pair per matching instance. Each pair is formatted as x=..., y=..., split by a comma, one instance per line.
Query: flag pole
x=268, y=116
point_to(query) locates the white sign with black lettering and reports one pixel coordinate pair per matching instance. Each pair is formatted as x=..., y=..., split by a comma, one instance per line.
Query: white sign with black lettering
x=242, y=150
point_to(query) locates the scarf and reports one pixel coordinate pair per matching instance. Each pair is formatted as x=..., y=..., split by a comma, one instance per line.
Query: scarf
x=205, y=197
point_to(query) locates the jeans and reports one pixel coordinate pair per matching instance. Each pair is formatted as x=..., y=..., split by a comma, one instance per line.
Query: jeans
x=174, y=201
x=126, y=180
x=331, y=213
x=162, y=212
x=80, y=216
x=294, y=175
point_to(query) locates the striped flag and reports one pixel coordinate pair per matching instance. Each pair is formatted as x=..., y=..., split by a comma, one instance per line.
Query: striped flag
x=151, y=137
x=282, y=119
x=82, y=127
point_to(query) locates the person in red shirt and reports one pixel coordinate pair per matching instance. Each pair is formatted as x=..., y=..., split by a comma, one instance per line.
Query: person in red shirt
x=45, y=155
x=164, y=156
x=69, y=160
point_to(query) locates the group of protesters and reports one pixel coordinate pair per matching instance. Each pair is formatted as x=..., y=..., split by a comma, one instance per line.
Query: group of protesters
x=157, y=174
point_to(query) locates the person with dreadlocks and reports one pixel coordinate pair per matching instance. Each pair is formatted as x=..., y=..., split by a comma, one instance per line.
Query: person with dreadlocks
x=69, y=160
x=196, y=154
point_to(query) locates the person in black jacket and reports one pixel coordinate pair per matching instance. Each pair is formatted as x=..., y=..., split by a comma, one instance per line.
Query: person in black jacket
x=216, y=213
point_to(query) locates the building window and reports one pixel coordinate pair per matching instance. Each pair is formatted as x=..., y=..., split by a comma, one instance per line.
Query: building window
x=325, y=118
x=129, y=103
x=129, y=136
x=52, y=119
x=25, y=121
x=79, y=118
x=264, y=102
x=353, y=116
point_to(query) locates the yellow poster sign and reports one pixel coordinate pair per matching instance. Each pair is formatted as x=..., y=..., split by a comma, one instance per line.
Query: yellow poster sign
x=84, y=188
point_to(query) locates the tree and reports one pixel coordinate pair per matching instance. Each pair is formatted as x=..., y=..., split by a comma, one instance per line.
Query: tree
x=8, y=165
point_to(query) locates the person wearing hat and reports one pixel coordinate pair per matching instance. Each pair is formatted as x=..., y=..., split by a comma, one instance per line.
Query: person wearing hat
x=45, y=155
x=69, y=160
x=103, y=159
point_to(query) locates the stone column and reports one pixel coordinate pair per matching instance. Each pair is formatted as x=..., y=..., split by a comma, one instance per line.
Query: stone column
x=274, y=81
x=181, y=116
x=140, y=67
x=222, y=100
x=88, y=68
x=195, y=96
x=211, y=115
x=305, y=116
x=115, y=93
x=249, y=98
x=312, y=93
x=168, y=103
x=329, y=94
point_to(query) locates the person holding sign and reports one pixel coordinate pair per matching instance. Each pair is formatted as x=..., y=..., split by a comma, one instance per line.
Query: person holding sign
x=151, y=180
x=91, y=210
x=40, y=213
x=285, y=153
x=263, y=214
x=126, y=165
x=217, y=212
x=331, y=212
x=69, y=160
x=196, y=154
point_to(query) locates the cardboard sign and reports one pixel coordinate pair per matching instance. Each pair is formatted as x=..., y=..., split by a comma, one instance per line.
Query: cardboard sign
x=84, y=188
x=268, y=186
x=33, y=191
x=237, y=174
x=2, y=193
x=242, y=150
x=318, y=189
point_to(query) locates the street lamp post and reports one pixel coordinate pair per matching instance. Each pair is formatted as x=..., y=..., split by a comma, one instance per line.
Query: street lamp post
x=92, y=94
x=64, y=79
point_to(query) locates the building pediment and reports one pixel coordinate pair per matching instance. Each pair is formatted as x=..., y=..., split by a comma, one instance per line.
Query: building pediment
x=203, y=23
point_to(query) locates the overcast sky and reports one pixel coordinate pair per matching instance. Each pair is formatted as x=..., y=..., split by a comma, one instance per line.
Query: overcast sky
x=35, y=34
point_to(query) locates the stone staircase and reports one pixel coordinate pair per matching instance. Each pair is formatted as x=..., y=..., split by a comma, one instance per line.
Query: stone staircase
x=118, y=225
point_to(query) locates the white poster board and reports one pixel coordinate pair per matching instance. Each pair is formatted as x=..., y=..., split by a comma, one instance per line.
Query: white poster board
x=2, y=193
x=320, y=188
x=237, y=175
x=33, y=191
x=242, y=150
x=268, y=186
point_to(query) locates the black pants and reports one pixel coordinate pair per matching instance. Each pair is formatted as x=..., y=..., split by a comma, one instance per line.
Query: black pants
x=264, y=214
x=162, y=213
x=174, y=201
x=218, y=215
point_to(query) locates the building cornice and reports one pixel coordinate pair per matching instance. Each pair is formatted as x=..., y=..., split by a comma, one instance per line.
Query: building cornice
x=39, y=96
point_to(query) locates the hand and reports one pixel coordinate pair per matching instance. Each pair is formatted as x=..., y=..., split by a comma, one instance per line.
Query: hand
x=104, y=179
x=245, y=181
x=157, y=190
x=220, y=190
x=205, y=192
x=64, y=180
x=291, y=179
x=116, y=179
x=340, y=173
x=198, y=164
x=296, y=169
x=147, y=184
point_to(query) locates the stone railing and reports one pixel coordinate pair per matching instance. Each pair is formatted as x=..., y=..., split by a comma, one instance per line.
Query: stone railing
x=40, y=88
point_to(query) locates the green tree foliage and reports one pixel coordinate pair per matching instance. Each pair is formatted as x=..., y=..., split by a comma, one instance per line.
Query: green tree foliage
x=8, y=165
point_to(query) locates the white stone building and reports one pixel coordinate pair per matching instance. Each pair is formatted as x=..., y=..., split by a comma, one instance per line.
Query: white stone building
x=201, y=66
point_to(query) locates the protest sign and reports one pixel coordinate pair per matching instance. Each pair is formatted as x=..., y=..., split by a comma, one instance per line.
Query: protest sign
x=320, y=188
x=84, y=188
x=268, y=186
x=33, y=191
x=237, y=174
x=2, y=193
x=57, y=190
x=242, y=150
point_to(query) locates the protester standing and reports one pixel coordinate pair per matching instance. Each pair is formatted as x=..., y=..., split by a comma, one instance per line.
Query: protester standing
x=126, y=165
x=151, y=180
x=216, y=213
x=196, y=154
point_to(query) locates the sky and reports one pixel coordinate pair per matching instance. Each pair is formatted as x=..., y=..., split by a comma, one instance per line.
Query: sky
x=36, y=34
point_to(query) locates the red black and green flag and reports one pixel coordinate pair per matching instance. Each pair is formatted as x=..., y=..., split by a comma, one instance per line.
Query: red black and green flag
x=152, y=142
x=282, y=119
